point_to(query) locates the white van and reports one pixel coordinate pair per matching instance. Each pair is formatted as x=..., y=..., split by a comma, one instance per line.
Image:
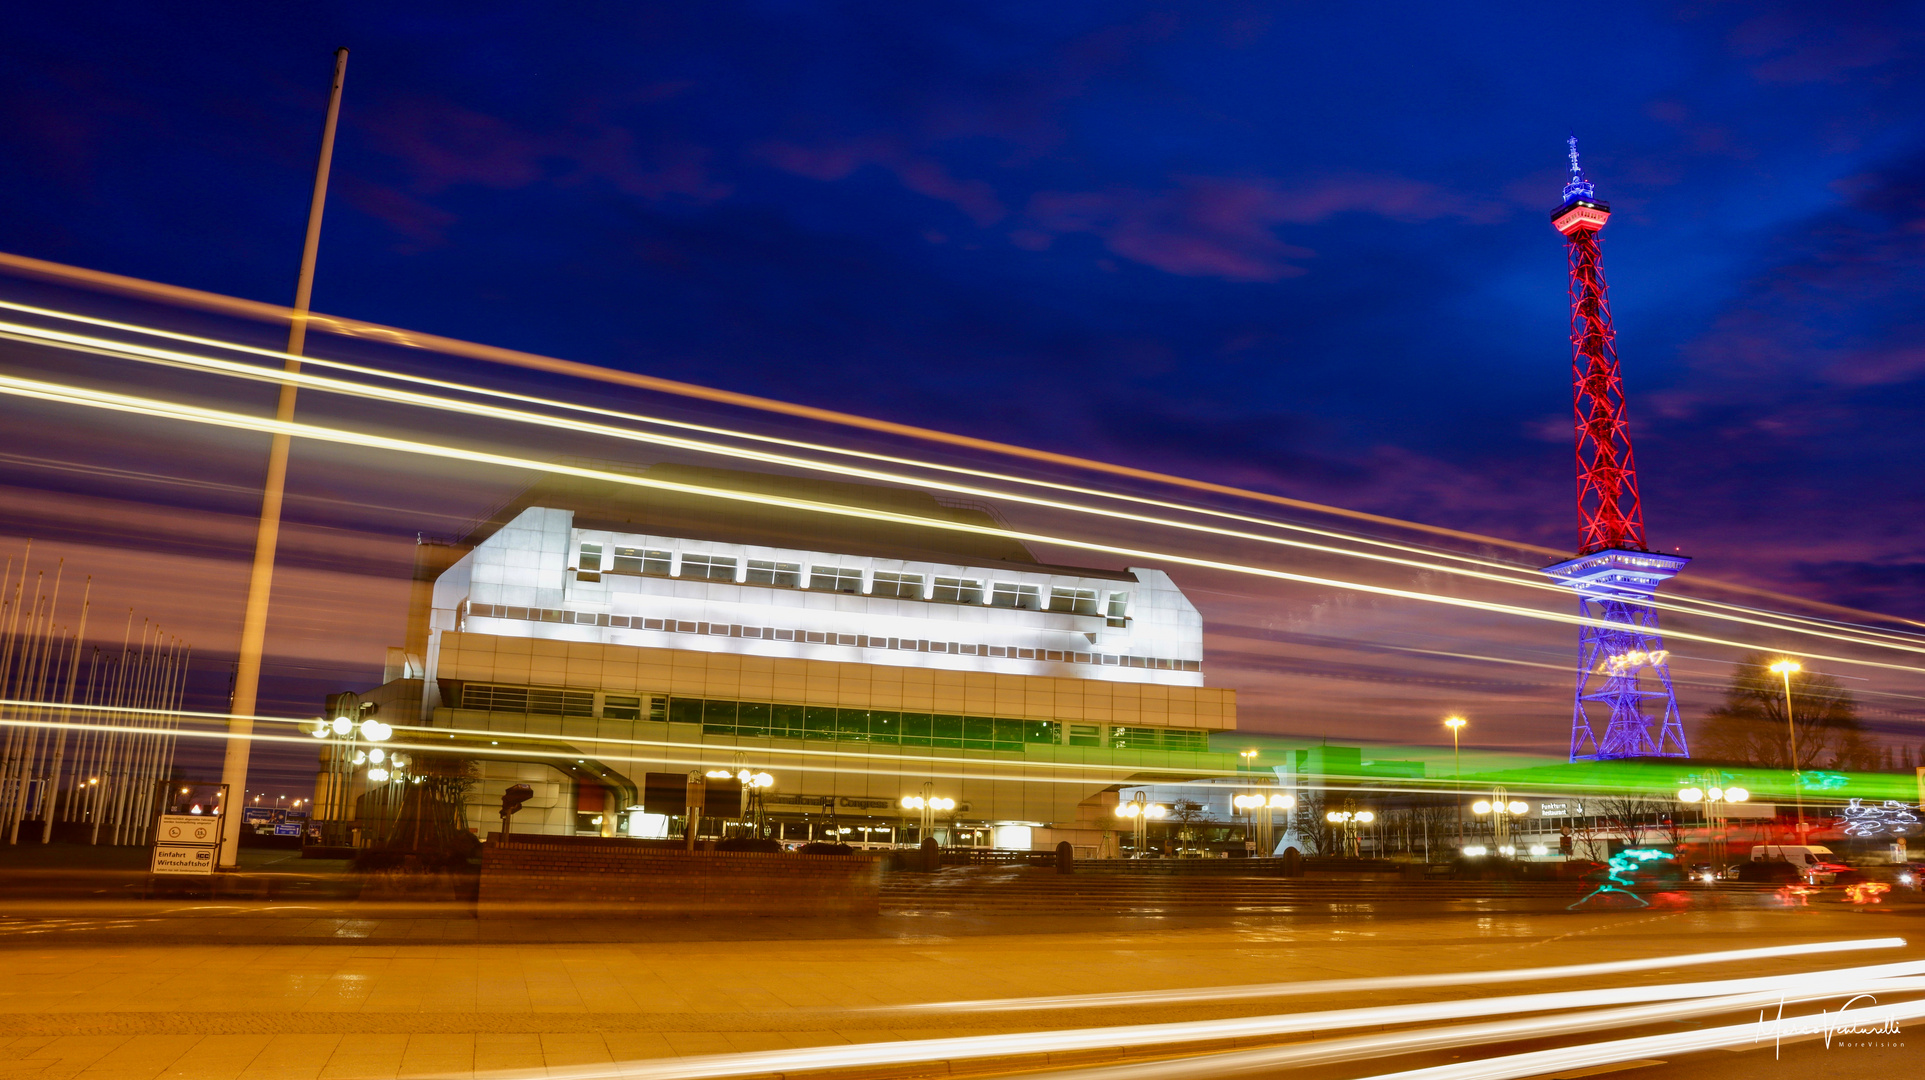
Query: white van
x=1817, y=863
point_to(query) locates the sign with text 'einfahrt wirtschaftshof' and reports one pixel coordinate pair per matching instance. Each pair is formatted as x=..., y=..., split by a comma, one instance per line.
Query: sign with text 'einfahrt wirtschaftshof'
x=197, y=859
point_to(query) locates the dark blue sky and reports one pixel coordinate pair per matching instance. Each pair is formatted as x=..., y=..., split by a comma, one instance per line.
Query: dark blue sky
x=1299, y=247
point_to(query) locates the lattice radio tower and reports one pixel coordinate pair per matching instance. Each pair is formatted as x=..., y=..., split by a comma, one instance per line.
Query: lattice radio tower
x=1623, y=680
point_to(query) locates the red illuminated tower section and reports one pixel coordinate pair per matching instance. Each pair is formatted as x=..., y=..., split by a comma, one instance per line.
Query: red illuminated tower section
x=1609, y=515
x=1614, y=574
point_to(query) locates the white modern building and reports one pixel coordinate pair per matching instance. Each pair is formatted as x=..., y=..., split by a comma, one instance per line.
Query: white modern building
x=601, y=641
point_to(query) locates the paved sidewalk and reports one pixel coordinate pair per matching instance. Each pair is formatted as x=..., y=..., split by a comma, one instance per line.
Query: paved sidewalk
x=348, y=1011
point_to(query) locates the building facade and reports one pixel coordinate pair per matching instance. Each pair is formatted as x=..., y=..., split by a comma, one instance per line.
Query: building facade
x=600, y=642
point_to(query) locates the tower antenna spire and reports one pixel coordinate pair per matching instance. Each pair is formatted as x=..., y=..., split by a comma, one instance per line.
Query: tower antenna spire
x=1576, y=187
x=1614, y=574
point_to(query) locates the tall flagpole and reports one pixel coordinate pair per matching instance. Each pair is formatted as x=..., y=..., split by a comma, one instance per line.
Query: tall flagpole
x=247, y=672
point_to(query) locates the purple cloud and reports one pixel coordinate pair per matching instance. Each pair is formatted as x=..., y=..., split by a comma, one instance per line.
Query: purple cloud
x=1226, y=226
x=922, y=175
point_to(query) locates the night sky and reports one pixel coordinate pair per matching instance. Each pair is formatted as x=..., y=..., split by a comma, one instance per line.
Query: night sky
x=1302, y=248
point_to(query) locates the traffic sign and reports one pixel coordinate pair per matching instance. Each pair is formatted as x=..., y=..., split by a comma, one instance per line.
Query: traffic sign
x=188, y=829
x=192, y=860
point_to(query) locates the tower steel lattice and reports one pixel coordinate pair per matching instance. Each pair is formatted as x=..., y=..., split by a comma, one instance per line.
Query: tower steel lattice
x=1614, y=574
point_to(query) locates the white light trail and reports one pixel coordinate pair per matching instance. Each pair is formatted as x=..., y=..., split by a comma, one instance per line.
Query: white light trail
x=1505, y=573
x=1400, y=982
x=375, y=332
x=1677, y=998
x=410, y=339
x=99, y=399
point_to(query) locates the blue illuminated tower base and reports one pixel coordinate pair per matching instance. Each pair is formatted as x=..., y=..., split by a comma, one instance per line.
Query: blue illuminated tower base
x=1616, y=649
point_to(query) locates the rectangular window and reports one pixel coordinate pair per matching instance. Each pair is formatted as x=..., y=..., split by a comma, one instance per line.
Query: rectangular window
x=1119, y=609
x=956, y=590
x=906, y=586
x=1149, y=738
x=1085, y=735
x=1041, y=731
x=1009, y=734
x=752, y=719
x=685, y=710
x=538, y=700
x=621, y=707
x=915, y=729
x=852, y=725
x=1073, y=601
x=589, y=565
x=708, y=567
x=786, y=574
x=834, y=579
x=1027, y=597
x=947, y=731
x=819, y=723
x=641, y=561
x=718, y=717
x=885, y=727
x=785, y=721
x=979, y=733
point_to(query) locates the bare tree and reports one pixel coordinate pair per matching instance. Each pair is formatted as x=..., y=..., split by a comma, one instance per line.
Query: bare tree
x=1749, y=728
x=1311, y=824
x=1630, y=815
x=1587, y=838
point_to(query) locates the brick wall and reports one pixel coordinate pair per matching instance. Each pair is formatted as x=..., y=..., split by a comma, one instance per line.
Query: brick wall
x=576, y=876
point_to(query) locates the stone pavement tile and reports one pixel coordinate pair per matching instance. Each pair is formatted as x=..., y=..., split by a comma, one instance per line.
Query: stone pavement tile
x=440, y=1046
x=637, y=1045
x=76, y=1051
x=361, y=1068
x=575, y=1049
x=437, y=1068
x=143, y=1056
x=687, y=1043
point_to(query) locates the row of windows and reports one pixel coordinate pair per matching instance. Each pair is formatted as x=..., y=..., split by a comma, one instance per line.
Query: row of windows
x=842, y=579
x=765, y=720
x=823, y=637
x=758, y=720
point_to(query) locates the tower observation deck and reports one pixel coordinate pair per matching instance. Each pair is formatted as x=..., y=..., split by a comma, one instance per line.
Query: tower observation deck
x=1623, y=679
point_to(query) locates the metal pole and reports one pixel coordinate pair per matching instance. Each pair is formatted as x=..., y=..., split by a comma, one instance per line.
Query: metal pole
x=1797, y=780
x=1457, y=779
x=68, y=717
x=260, y=582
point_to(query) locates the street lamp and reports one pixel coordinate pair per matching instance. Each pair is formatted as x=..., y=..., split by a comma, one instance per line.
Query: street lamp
x=1501, y=810
x=1350, y=819
x=1262, y=810
x=1139, y=810
x=928, y=804
x=1712, y=799
x=1786, y=668
x=1456, y=724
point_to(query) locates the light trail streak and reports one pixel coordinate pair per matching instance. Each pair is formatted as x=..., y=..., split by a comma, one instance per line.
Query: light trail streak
x=98, y=399
x=1683, y=1042
x=525, y=747
x=1396, y=1043
x=1509, y=574
x=932, y=766
x=532, y=361
x=326, y=384
x=1398, y=982
x=280, y=375
x=1677, y=999
x=454, y=347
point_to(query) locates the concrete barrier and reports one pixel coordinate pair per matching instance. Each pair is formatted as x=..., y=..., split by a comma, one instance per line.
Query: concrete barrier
x=587, y=876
